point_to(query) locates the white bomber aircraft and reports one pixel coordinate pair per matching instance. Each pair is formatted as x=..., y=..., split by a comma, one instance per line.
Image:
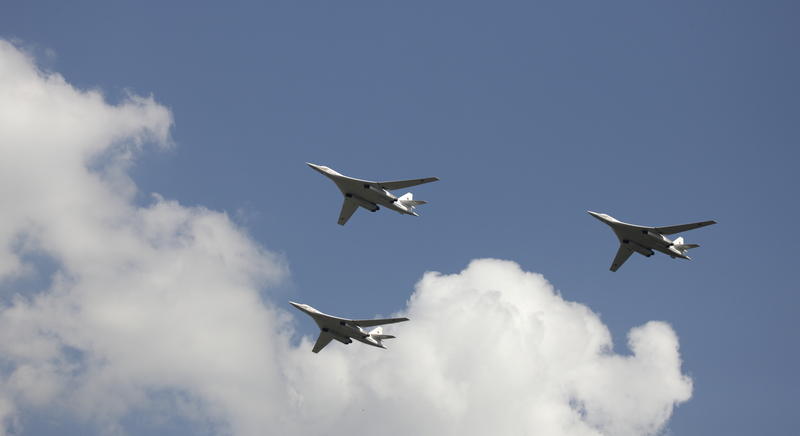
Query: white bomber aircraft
x=369, y=194
x=644, y=240
x=343, y=329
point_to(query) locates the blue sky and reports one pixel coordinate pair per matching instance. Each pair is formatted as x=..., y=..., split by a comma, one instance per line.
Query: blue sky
x=531, y=114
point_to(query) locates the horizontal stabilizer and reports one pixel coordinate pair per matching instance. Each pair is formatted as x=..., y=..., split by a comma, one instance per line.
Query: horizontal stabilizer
x=377, y=334
x=679, y=245
x=407, y=200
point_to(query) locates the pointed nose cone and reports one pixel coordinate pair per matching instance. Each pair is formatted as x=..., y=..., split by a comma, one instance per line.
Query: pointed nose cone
x=599, y=216
x=297, y=305
x=315, y=167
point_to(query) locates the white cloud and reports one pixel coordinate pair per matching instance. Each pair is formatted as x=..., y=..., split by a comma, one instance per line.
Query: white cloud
x=494, y=350
x=157, y=306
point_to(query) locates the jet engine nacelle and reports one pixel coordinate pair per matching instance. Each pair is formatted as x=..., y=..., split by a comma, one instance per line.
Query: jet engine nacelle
x=368, y=205
x=338, y=337
x=644, y=251
x=655, y=235
x=375, y=189
x=401, y=205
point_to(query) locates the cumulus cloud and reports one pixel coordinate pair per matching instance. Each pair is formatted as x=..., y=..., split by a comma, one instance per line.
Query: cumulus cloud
x=156, y=309
x=495, y=350
x=140, y=299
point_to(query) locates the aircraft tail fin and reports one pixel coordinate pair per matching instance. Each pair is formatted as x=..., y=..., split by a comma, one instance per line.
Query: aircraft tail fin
x=682, y=247
x=377, y=334
x=406, y=204
x=408, y=201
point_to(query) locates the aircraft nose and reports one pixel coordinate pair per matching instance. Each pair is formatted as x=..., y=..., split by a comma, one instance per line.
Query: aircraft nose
x=315, y=167
x=297, y=305
x=597, y=215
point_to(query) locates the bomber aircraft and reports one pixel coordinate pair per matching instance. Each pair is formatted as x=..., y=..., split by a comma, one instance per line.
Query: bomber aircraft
x=370, y=195
x=343, y=329
x=644, y=240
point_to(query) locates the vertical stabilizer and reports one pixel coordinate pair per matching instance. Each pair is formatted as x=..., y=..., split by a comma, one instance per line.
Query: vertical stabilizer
x=679, y=247
x=377, y=334
x=408, y=201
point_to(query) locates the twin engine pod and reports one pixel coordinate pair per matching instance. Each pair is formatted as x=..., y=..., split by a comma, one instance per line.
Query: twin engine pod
x=368, y=205
x=638, y=248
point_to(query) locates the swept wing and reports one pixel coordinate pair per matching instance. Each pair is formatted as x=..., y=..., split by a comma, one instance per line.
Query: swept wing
x=374, y=322
x=669, y=230
x=400, y=184
x=623, y=254
x=363, y=322
x=324, y=339
x=348, y=208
